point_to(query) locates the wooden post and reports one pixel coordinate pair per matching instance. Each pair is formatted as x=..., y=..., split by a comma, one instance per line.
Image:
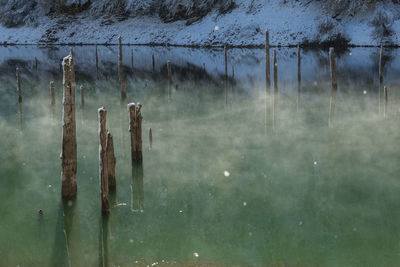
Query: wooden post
x=132, y=58
x=276, y=92
x=20, y=116
x=69, y=148
x=36, y=63
x=97, y=63
x=334, y=85
x=226, y=73
x=151, y=138
x=111, y=161
x=82, y=97
x=135, y=128
x=267, y=63
x=103, y=164
x=385, y=92
x=52, y=93
x=169, y=77
x=19, y=86
x=120, y=69
x=380, y=78
x=204, y=68
x=298, y=76
x=226, y=61
x=226, y=65
x=153, y=62
x=97, y=58
x=233, y=72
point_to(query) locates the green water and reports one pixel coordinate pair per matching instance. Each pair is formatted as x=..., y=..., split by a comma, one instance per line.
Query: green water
x=220, y=185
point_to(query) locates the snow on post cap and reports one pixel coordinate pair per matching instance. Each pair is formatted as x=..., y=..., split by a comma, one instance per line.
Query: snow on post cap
x=131, y=105
x=102, y=109
x=67, y=60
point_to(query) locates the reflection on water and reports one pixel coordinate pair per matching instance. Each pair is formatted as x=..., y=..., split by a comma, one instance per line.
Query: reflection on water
x=218, y=189
x=137, y=203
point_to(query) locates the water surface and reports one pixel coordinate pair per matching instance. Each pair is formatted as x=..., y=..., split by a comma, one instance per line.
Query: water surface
x=234, y=177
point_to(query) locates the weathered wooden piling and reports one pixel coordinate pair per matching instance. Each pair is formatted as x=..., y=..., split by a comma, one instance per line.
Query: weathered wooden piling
x=153, y=62
x=334, y=85
x=226, y=64
x=204, y=68
x=268, y=111
x=52, y=93
x=385, y=108
x=103, y=164
x=380, y=94
x=97, y=62
x=19, y=90
x=97, y=58
x=226, y=72
x=121, y=70
x=111, y=161
x=298, y=76
x=169, y=77
x=20, y=117
x=82, y=96
x=267, y=63
x=276, y=92
x=135, y=128
x=151, y=138
x=69, y=147
x=36, y=63
x=233, y=72
x=132, y=59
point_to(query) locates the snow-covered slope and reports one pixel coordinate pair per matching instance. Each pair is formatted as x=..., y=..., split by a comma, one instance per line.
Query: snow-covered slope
x=290, y=22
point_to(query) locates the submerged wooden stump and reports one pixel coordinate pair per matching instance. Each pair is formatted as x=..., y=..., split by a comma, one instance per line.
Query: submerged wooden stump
x=69, y=147
x=111, y=161
x=135, y=128
x=121, y=70
x=103, y=163
x=19, y=90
